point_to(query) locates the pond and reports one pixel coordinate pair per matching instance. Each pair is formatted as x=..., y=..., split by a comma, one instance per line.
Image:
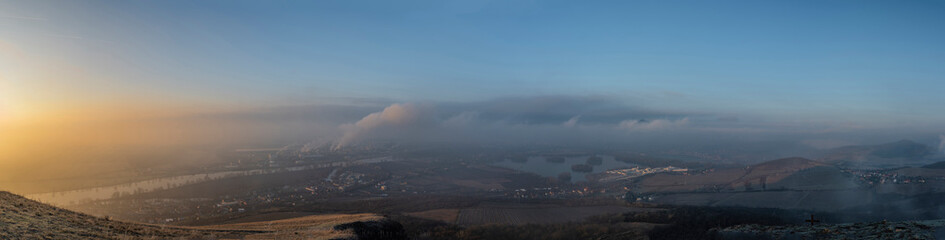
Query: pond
x=542, y=166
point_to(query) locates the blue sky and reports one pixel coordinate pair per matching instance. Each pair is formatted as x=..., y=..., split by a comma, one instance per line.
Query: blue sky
x=881, y=61
x=88, y=77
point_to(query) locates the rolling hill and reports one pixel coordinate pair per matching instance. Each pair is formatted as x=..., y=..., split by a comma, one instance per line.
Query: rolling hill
x=939, y=164
x=754, y=177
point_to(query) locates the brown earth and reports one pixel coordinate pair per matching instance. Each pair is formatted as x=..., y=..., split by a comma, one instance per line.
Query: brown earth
x=443, y=215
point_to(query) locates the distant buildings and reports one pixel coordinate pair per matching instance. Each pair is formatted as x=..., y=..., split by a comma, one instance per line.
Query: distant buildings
x=629, y=173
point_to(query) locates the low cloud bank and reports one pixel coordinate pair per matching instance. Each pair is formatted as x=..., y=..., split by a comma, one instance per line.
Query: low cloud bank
x=544, y=120
x=593, y=121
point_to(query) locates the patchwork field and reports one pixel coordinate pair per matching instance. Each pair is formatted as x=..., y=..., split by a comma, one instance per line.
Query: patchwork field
x=782, y=174
x=669, y=182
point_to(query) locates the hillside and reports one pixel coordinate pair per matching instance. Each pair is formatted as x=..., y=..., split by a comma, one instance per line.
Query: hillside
x=21, y=218
x=901, y=149
x=775, y=170
x=816, y=178
x=936, y=165
x=730, y=179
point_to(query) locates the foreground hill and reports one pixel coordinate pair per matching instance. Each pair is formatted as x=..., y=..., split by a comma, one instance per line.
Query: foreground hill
x=21, y=218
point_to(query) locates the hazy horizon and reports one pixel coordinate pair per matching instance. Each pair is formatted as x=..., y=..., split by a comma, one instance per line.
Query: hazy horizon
x=87, y=86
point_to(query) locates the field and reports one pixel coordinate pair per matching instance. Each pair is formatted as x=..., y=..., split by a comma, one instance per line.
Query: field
x=801, y=200
x=443, y=215
x=531, y=214
x=308, y=227
x=815, y=178
x=788, y=173
x=668, y=182
x=268, y=216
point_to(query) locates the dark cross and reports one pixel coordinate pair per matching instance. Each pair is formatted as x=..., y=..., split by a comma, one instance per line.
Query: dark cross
x=812, y=220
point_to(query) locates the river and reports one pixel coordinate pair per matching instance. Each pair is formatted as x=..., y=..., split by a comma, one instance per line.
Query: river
x=72, y=197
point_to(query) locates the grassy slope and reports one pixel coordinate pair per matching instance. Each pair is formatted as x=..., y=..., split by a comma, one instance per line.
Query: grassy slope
x=21, y=218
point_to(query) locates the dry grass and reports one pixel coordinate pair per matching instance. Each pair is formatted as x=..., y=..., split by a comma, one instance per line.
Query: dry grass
x=21, y=218
x=308, y=227
x=325, y=221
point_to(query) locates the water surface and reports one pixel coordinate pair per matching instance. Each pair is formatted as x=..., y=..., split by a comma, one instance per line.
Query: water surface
x=538, y=165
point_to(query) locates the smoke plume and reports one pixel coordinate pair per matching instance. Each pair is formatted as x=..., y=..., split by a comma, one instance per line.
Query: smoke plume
x=396, y=116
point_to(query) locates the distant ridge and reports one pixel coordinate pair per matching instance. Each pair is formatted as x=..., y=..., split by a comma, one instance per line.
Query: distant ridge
x=901, y=149
x=937, y=165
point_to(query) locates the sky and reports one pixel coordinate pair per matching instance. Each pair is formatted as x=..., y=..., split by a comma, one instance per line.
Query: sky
x=872, y=59
x=163, y=70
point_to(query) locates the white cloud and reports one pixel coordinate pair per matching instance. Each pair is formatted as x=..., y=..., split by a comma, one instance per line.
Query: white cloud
x=654, y=125
x=572, y=122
